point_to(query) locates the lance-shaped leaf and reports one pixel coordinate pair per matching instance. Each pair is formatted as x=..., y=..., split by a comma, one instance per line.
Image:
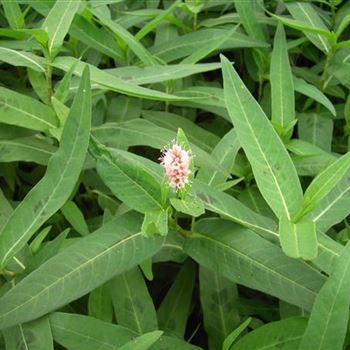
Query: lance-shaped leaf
x=58, y=21
x=245, y=258
x=60, y=178
x=333, y=207
x=142, y=342
x=306, y=14
x=113, y=83
x=327, y=325
x=26, y=149
x=13, y=13
x=272, y=166
x=114, y=248
x=80, y=332
x=219, y=299
x=30, y=336
x=25, y=111
x=298, y=240
x=22, y=59
x=97, y=38
x=230, y=208
x=128, y=181
x=301, y=86
x=132, y=303
x=189, y=43
x=225, y=153
x=139, y=50
x=324, y=182
x=284, y=334
x=100, y=303
x=316, y=129
x=174, y=309
x=282, y=88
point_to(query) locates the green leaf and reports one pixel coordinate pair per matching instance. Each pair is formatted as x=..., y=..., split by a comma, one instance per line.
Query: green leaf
x=327, y=325
x=142, y=132
x=324, y=182
x=189, y=43
x=234, y=334
x=109, y=82
x=282, y=88
x=24, y=111
x=334, y=207
x=174, y=309
x=273, y=169
x=150, y=26
x=56, y=186
x=132, y=302
x=284, y=334
x=100, y=304
x=75, y=217
x=13, y=13
x=306, y=14
x=155, y=222
x=133, y=43
x=58, y=21
x=230, y=208
x=207, y=49
x=316, y=130
x=298, y=240
x=128, y=181
x=191, y=205
x=301, y=86
x=46, y=251
x=39, y=238
x=172, y=249
x=248, y=18
x=62, y=88
x=22, y=59
x=245, y=258
x=39, y=84
x=225, y=153
x=247, y=11
x=219, y=299
x=173, y=343
x=35, y=335
x=26, y=149
x=309, y=159
x=97, y=38
x=157, y=73
x=113, y=249
x=195, y=134
x=142, y=342
x=5, y=209
x=80, y=332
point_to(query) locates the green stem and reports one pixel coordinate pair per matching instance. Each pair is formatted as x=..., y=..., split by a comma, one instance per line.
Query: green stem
x=195, y=22
x=49, y=81
x=323, y=80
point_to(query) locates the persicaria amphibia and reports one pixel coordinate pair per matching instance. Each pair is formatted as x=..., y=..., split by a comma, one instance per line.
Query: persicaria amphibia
x=176, y=162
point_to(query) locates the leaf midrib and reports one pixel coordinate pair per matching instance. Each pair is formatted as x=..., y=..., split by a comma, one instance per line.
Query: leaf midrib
x=260, y=149
x=19, y=53
x=153, y=199
x=61, y=177
x=254, y=262
x=81, y=266
x=33, y=116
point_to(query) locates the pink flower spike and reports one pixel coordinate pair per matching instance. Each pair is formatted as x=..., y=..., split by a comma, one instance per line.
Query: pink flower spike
x=176, y=162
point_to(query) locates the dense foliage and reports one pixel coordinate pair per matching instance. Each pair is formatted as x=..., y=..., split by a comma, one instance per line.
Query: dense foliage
x=174, y=174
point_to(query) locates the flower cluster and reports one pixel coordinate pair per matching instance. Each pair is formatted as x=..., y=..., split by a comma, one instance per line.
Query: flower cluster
x=176, y=162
